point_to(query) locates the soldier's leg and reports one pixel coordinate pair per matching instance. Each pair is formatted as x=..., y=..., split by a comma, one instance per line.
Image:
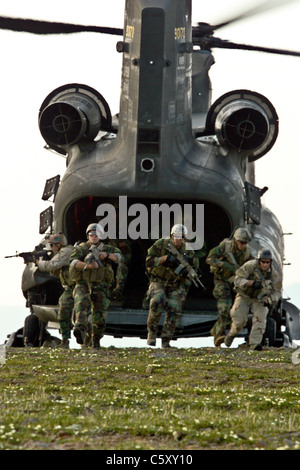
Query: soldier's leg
x=156, y=306
x=66, y=304
x=222, y=292
x=259, y=322
x=121, y=276
x=174, y=298
x=239, y=316
x=82, y=302
x=100, y=304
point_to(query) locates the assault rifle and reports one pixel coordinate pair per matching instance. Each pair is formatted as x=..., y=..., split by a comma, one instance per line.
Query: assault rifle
x=93, y=255
x=31, y=256
x=184, y=264
x=265, y=290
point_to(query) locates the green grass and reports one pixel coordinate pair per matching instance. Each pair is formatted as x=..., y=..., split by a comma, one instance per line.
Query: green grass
x=145, y=399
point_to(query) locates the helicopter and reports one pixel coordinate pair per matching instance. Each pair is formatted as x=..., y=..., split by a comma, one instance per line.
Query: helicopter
x=168, y=144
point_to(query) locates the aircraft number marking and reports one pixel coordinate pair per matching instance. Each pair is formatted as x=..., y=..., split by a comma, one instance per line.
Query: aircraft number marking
x=179, y=33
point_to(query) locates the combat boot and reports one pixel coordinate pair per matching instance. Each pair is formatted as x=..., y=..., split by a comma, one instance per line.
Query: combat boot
x=64, y=344
x=218, y=340
x=151, y=339
x=96, y=343
x=228, y=340
x=80, y=334
x=165, y=343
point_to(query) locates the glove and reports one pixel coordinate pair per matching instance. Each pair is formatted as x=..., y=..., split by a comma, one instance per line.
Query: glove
x=172, y=260
x=257, y=285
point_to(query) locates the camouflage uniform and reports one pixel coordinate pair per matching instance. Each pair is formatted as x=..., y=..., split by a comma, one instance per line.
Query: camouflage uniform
x=202, y=252
x=224, y=259
x=91, y=290
x=255, y=299
x=123, y=266
x=59, y=267
x=167, y=290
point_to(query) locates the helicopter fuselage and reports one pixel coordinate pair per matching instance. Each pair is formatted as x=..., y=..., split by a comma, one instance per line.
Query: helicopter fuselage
x=169, y=145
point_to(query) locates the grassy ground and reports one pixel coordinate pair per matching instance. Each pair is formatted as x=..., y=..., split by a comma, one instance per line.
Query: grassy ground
x=143, y=399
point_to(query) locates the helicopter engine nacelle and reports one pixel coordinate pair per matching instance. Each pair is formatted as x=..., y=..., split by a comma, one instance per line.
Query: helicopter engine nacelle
x=72, y=113
x=244, y=121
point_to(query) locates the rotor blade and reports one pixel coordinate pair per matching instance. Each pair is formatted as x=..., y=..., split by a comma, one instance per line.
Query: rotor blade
x=212, y=42
x=48, y=27
x=263, y=7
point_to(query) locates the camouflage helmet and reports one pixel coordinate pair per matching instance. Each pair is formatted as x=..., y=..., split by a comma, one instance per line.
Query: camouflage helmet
x=265, y=254
x=58, y=238
x=242, y=235
x=179, y=231
x=95, y=228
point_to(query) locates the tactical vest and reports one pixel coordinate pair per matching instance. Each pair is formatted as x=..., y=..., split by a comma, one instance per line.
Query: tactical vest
x=64, y=276
x=257, y=275
x=103, y=273
x=164, y=273
x=221, y=271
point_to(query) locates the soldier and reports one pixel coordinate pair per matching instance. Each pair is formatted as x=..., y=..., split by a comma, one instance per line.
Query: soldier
x=224, y=260
x=59, y=267
x=123, y=267
x=167, y=289
x=258, y=287
x=93, y=280
x=125, y=246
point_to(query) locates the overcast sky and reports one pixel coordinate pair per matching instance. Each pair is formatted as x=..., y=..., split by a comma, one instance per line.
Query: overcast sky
x=32, y=66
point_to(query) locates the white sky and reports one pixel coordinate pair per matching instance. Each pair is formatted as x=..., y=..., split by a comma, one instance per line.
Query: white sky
x=32, y=66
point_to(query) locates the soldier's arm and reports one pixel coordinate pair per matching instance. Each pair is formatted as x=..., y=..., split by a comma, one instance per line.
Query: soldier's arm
x=77, y=259
x=58, y=261
x=154, y=257
x=111, y=253
x=242, y=277
x=276, y=286
x=215, y=258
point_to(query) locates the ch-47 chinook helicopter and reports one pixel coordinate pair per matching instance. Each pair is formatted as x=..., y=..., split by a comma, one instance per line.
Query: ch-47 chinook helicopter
x=168, y=144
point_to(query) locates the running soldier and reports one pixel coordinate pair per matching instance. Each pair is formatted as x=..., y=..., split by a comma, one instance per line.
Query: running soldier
x=258, y=287
x=91, y=269
x=167, y=289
